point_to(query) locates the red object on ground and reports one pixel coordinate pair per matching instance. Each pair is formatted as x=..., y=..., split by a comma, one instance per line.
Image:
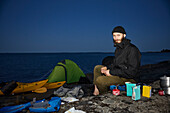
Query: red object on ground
x=116, y=92
x=161, y=92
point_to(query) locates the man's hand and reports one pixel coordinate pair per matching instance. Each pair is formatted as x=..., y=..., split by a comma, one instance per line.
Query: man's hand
x=103, y=69
x=107, y=73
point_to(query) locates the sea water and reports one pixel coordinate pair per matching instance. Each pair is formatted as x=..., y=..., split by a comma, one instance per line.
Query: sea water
x=29, y=67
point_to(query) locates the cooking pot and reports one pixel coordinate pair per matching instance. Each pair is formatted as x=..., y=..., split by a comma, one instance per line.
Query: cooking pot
x=167, y=90
x=164, y=82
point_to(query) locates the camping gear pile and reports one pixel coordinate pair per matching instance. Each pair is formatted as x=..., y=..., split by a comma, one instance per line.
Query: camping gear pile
x=135, y=90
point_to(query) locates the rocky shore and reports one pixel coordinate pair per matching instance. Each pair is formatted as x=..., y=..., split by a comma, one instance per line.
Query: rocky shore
x=108, y=103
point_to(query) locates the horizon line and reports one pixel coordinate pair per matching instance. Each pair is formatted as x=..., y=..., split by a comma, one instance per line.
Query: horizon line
x=67, y=52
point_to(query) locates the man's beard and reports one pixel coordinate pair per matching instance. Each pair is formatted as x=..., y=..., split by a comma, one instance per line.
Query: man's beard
x=120, y=40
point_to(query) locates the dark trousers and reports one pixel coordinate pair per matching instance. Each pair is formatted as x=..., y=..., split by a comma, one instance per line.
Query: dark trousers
x=103, y=82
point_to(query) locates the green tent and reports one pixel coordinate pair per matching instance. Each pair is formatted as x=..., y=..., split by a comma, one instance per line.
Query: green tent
x=66, y=70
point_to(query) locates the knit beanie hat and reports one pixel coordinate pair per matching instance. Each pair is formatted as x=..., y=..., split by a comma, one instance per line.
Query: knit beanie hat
x=119, y=29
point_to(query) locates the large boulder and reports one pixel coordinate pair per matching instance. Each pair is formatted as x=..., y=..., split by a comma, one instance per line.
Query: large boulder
x=152, y=72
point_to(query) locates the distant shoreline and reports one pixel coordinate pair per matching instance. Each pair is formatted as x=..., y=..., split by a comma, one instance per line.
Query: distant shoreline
x=59, y=53
x=162, y=51
x=79, y=53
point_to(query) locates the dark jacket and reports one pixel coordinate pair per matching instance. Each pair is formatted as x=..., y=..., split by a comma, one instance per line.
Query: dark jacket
x=127, y=61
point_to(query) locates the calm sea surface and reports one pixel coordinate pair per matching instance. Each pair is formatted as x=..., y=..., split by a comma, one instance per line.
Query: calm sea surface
x=29, y=67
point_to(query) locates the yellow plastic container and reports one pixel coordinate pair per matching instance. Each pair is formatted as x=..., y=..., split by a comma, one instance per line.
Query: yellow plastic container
x=146, y=91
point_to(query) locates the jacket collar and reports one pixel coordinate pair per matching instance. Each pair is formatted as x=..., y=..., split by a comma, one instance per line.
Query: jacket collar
x=123, y=43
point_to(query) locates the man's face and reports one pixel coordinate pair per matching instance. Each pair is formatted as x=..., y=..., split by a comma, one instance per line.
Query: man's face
x=118, y=37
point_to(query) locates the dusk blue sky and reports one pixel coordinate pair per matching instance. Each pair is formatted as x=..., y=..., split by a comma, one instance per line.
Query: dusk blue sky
x=82, y=25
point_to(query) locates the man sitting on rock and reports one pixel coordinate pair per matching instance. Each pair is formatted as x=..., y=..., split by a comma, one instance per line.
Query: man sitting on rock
x=120, y=69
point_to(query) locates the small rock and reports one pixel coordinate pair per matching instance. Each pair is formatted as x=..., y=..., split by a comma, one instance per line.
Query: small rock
x=90, y=102
x=93, y=106
x=108, y=101
x=98, y=110
x=95, y=103
x=84, y=99
x=152, y=111
x=105, y=110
